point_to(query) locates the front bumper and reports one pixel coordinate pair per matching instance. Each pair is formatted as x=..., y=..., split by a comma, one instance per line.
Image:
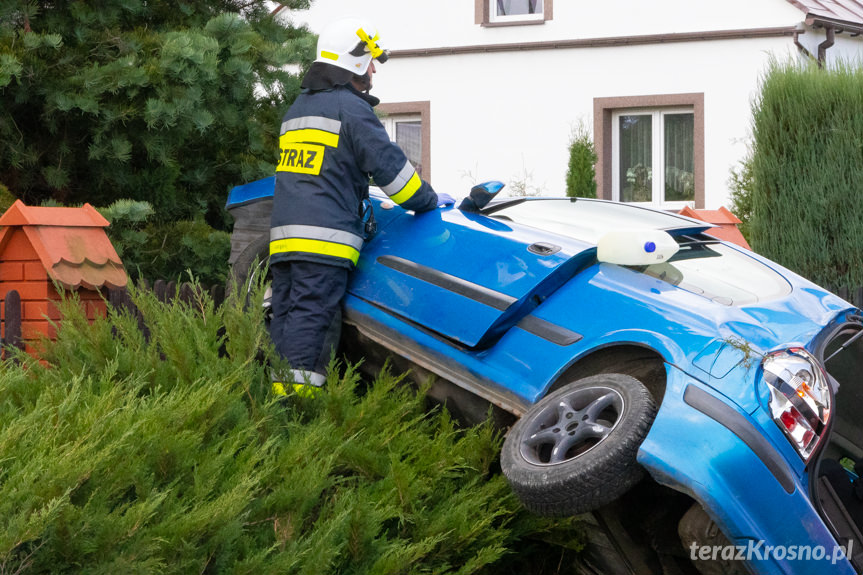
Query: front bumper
x=703, y=445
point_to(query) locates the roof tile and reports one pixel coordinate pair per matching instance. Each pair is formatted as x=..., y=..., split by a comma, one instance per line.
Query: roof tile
x=20, y=214
x=726, y=224
x=71, y=244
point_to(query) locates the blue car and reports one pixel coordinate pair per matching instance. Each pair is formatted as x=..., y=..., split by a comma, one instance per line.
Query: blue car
x=697, y=402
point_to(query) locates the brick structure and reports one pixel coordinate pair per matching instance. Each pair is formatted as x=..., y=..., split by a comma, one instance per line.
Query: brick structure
x=40, y=246
x=723, y=218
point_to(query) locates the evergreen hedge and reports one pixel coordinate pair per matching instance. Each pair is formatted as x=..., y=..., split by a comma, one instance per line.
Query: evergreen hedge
x=126, y=454
x=807, y=171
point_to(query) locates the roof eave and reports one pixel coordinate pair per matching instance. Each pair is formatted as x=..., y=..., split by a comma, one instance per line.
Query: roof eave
x=817, y=21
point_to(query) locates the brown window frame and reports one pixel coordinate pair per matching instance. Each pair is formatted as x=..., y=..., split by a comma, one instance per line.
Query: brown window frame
x=603, y=108
x=482, y=15
x=423, y=109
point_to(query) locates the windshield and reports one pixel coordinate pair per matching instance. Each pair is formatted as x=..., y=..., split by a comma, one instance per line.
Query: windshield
x=718, y=272
x=703, y=265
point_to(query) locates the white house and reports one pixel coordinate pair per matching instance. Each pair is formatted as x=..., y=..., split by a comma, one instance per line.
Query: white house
x=491, y=89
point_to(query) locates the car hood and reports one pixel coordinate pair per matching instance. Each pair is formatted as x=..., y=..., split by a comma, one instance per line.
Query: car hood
x=717, y=343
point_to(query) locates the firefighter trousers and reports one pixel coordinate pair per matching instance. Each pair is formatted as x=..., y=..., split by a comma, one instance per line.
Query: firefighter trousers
x=307, y=312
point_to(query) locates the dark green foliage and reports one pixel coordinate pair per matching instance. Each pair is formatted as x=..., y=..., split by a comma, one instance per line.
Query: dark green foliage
x=121, y=455
x=6, y=198
x=807, y=171
x=173, y=248
x=128, y=219
x=580, y=175
x=153, y=250
x=167, y=102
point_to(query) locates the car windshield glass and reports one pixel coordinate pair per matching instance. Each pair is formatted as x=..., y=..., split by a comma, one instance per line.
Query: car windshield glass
x=588, y=220
x=702, y=266
x=719, y=273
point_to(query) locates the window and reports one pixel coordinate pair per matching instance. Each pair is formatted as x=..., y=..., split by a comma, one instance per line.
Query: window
x=654, y=157
x=508, y=10
x=651, y=149
x=512, y=12
x=406, y=131
x=407, y=125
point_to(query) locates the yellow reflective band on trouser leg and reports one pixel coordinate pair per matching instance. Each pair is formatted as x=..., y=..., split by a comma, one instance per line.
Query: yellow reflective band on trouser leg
x=315, y=247
x=303, y=390
x=306, y=390
x=408, y=190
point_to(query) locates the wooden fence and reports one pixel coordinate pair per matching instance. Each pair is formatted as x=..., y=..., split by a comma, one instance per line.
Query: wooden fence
x=117, y=298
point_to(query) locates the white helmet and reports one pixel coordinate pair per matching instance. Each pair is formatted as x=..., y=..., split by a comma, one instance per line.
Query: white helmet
x=350, y=44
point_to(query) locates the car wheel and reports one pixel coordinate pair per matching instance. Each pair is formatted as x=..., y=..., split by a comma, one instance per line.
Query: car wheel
x=252, y=266
x=255, y=254
x=575, y=449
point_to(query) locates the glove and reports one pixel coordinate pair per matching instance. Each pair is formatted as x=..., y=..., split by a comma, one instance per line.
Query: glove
x=444, y=199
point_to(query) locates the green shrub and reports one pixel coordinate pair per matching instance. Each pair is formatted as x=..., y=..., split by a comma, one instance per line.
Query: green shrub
x=6, y=198
x=173, y=248
x=742, y=185
x=127, y=455
x=580, y=175
x=807, y=171
x=166, y=250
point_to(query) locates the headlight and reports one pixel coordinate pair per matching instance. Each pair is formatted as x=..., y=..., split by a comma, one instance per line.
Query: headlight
x=799, y=397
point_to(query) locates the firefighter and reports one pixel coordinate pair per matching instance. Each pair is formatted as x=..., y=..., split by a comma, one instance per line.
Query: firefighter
x=331, y=144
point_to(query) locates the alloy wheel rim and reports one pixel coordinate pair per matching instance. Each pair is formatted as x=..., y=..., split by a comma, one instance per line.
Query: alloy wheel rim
x=575, y=424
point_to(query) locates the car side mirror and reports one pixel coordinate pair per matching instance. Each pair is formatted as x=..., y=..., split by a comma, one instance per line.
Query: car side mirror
x=480, y=196
x=636, y=247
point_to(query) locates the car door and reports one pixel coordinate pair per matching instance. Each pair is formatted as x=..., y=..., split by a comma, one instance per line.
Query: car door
x=465, y=276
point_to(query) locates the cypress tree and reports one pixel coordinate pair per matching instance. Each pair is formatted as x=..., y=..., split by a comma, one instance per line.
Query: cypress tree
x=167, y=102
x=580, y=175
x=807, y=171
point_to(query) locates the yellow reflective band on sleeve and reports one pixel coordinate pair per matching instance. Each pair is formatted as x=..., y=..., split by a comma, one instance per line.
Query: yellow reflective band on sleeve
x=408, y=190
x=300, y=158
x=329, y=55
x=314, y=247
x=310, y=136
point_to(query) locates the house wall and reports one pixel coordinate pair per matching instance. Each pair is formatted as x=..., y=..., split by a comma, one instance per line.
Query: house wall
x=845, y=48
x=509, y=115
x=416, y=24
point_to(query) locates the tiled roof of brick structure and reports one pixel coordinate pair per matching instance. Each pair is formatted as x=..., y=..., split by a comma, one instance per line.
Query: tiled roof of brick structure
x=726, y=224
x=71, y=243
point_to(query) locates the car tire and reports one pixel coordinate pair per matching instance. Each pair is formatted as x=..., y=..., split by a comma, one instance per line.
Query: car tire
x=575, y=449
x=255, y=254
x=252, y=262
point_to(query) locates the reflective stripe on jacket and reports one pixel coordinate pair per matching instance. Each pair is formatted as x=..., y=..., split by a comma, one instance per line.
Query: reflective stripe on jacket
x=331, y=143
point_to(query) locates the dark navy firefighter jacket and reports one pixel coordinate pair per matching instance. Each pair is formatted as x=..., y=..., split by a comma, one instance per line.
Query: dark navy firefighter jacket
x=331, y=142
